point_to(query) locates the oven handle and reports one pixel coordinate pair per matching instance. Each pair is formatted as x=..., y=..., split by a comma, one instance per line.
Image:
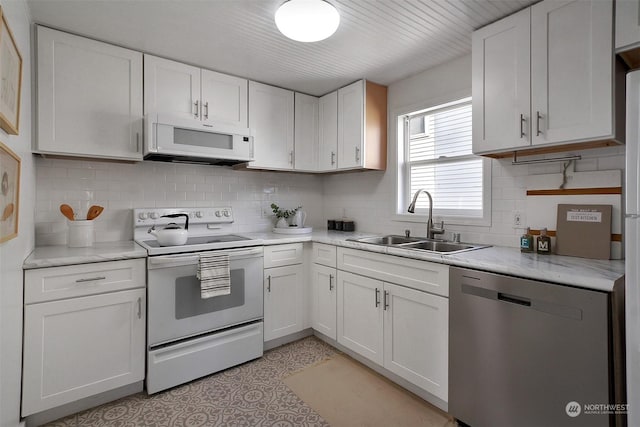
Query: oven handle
x=188, y=259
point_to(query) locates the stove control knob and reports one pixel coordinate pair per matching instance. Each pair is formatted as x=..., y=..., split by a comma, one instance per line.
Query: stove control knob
x=153, y=215
x=199, y=214
x=218, y=214
x=142, y=215
x=227, y=214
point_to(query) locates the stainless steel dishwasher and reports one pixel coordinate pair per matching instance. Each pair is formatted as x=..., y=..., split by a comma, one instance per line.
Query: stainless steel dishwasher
x=520, y=351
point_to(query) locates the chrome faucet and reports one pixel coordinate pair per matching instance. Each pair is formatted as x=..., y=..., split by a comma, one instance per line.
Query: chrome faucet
x=431, y=229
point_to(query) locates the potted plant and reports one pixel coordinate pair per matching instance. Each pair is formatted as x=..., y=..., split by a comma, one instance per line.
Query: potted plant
x=283, y=215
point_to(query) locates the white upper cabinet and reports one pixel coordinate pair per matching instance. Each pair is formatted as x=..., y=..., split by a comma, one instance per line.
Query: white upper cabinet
x=351, y=125
x=306, y=133
x=271, y=120
x=194, y=93
x=89, y=98
x=362, y=126
x=627, y=25
x=224, y=98
x=328, y=132
x=574, y=82
x=501, y=82
x=572, y=71
x=171, y=87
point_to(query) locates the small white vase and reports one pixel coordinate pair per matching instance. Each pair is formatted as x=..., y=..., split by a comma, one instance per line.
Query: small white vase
x=298, y=219
x=282, y=223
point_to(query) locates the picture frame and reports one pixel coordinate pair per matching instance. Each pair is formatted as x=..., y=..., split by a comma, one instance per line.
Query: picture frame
x=9, y=193
x=10, y=79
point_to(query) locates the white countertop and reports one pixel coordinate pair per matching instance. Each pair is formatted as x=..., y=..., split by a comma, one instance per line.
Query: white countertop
x=587, y=273
x=582, y=272
x=55, y=256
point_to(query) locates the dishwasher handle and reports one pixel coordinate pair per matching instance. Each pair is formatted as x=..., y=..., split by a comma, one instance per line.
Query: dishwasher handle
x=514, y=299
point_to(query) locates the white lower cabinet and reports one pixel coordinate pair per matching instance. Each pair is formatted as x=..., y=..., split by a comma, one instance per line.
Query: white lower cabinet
x=282, y=296
x=79, y=347
x=324, y=297
x=416, y=341
x=360, y=315
x=400, y=327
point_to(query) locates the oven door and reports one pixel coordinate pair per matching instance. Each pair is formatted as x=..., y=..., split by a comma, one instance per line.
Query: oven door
x=177, y=311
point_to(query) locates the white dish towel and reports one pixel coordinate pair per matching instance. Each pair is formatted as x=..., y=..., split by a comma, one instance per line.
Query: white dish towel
x=214, y=275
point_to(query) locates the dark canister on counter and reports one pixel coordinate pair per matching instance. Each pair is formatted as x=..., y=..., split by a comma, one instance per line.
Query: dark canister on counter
x=339, y=224
x=331, y=224
x=348, y=225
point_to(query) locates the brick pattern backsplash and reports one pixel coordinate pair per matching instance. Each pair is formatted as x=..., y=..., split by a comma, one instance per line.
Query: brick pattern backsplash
x=370, y=197
x=120, y=187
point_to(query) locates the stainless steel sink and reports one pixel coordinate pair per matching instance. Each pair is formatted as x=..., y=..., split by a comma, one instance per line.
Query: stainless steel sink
x=390, y=240
x=439, y=246
x=419, y=243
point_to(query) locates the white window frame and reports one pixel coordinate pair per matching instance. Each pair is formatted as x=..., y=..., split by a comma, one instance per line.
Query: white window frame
x=403, y=200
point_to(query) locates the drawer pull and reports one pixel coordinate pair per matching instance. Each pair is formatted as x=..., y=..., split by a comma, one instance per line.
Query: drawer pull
x=330, y=282
x=91, y=279
x=268, y=283
x=377, y=297
x=139, y=308
x=386, y=300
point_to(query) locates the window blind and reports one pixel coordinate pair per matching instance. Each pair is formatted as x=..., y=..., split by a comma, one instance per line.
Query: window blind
x=439, y=159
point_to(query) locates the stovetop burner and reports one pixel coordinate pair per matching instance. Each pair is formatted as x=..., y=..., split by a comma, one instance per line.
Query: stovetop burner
x=202, y=240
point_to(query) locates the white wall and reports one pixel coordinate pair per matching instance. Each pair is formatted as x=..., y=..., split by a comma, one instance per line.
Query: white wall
x=14, y=251
x=121, y=187
x=370, y=197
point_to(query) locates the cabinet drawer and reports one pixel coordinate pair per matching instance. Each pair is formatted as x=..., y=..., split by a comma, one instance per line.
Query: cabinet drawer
x=281, y=255
x=46, y=284
x=422, y=275
x=324, y=254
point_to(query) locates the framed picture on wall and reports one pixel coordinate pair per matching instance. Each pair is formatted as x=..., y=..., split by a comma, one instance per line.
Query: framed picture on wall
x=10, y=79
x=9, y=193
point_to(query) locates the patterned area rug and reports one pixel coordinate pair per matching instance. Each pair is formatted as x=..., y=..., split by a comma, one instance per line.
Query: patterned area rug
x=251, y=394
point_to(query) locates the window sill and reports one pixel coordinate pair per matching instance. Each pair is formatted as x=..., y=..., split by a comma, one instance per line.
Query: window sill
x=448, y=220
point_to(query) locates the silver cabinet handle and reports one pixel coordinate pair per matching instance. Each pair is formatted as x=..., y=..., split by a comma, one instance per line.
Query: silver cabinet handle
x=331, y=282
x=139, y=308
x=197, y=108
x=357, y=154
x=291, y=157
x=91, y=279
x=377, y=297
x=206, y=111
x=386, y=300
x=538, y=117
x=333, y=158
x=137, y=142
x=268, y=283
x=522, y=122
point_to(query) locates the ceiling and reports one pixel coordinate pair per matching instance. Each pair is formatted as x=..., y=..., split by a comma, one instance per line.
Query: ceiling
x=380, y=40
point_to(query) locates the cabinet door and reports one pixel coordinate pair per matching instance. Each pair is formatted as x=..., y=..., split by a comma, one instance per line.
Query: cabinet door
x=79, y=347
x=306, y=132
x=89, y=97
x=282, y=310
x=171, y=87
x=271, y=120
x=328, y=132
x=360, y=315
x=323, y=282
x=501, y=82
x=416, y=338
x=351, y=125
x=224, y=99
x=627, y=24
x=571, y=71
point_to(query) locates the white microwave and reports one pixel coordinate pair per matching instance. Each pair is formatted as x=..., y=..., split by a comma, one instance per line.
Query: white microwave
x=174, y=139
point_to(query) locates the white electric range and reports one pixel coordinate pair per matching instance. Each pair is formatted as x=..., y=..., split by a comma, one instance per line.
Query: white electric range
x=189, y=337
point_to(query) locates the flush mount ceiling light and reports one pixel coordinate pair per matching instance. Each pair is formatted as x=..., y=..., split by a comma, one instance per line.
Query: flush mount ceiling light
x=307, y=20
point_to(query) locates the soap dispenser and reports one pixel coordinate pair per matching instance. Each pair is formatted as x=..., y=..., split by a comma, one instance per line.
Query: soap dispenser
x=543, y=243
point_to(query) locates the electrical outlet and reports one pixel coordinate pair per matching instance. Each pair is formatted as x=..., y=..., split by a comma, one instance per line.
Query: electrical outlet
x=517, y=219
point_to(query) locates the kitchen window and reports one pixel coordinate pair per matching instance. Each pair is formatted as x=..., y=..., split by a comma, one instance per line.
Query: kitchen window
x=434, y=153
